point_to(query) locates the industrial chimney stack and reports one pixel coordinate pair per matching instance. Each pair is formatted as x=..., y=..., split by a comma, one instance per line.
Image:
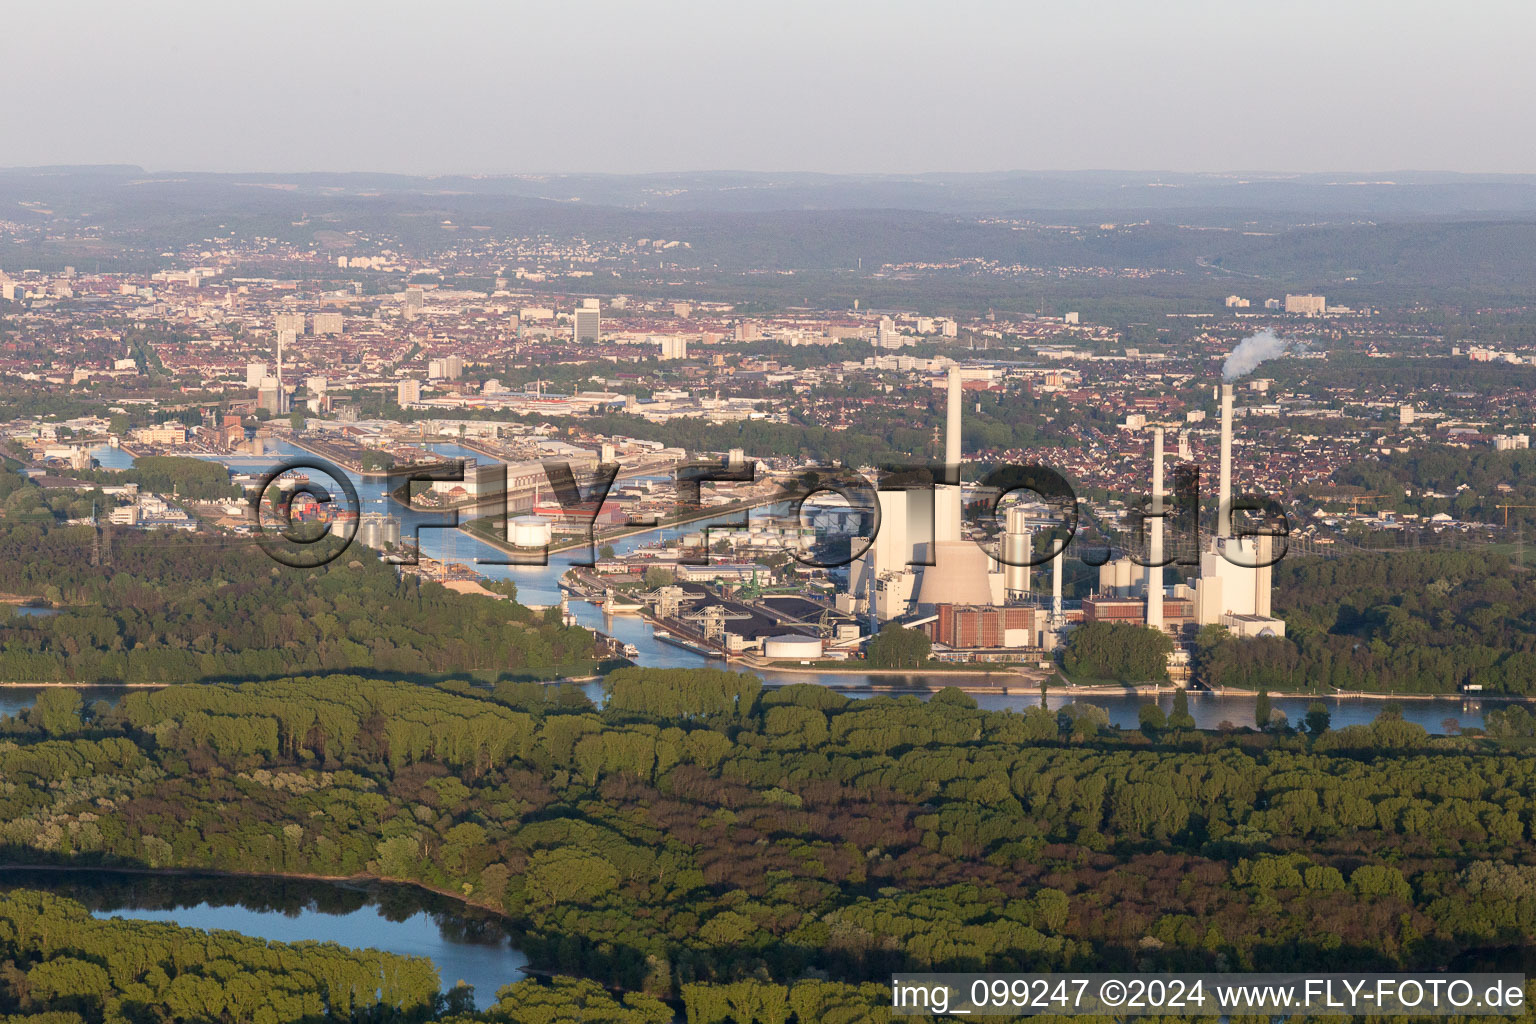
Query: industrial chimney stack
x=1155, y=541
x=947, y=513
x=1224, y=506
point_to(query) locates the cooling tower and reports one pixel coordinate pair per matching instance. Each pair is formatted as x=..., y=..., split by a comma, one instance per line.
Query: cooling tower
x=958, y=575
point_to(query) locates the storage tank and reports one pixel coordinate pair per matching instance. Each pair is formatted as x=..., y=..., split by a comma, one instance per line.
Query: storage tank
x=528, y=532
x=1016, y=549
x=792, y=648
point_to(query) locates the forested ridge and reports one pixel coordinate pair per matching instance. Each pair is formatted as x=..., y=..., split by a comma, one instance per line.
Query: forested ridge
x=176, y=609
x=702, y=840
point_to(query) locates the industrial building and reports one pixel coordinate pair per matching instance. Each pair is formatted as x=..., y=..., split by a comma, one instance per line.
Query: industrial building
x=1235, y=577
x=920, y=558
x=922, y=569
x=962, y=626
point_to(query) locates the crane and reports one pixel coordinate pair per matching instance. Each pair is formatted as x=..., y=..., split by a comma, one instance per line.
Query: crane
x=1506, y=509
x=1355, y=500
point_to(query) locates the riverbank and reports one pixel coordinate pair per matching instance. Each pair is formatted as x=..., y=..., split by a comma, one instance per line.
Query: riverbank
x=454, y=895
x=89, y=686
x=487, y=536
x=1228, y=691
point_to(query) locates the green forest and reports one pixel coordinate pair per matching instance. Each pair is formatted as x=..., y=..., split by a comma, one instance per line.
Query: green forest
x=1426, y=621
x=751, y=855
x=199, y=479
x=1112, y=651
x=173, y=608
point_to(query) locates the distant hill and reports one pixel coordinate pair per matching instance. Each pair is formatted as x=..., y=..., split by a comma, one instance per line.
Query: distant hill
x=1372, y=236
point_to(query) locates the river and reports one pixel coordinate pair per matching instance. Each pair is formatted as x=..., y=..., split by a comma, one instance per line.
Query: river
x=471, y=945
x=539, y=585
x=464, y=943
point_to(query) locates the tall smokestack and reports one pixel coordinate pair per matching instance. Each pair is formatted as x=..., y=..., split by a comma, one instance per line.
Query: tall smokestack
x=1061, y=556
x=947, y=504
x=952, y=421
x=1224, y=506
x=1155, y=543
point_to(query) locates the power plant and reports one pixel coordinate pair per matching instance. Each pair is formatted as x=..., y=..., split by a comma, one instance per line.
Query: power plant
x=1235, y=581
x=923, y=570
x=920, y=558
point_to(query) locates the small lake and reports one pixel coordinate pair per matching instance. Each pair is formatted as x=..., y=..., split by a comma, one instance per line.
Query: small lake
x=465, y=944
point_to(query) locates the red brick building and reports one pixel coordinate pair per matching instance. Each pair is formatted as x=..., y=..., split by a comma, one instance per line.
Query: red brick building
x=1133, y=610
x=967, y=625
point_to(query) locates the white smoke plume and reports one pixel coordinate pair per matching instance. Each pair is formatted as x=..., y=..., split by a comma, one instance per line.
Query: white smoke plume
x=1256, y=349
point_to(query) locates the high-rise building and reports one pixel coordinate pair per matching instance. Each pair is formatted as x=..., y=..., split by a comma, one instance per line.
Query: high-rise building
x=1307, y=305
x=589, y=321
x=293, y=322
x=445, y=368
x=407, y=392
x=415, y=299
x=255, y=373
x=328, y=323
x=671, y=346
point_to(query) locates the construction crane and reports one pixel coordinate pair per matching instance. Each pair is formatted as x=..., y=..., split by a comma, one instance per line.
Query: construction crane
x=1355, y=500
x=1506, y=509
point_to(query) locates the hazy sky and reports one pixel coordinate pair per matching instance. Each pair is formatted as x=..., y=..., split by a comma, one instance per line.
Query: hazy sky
x=571, y=85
